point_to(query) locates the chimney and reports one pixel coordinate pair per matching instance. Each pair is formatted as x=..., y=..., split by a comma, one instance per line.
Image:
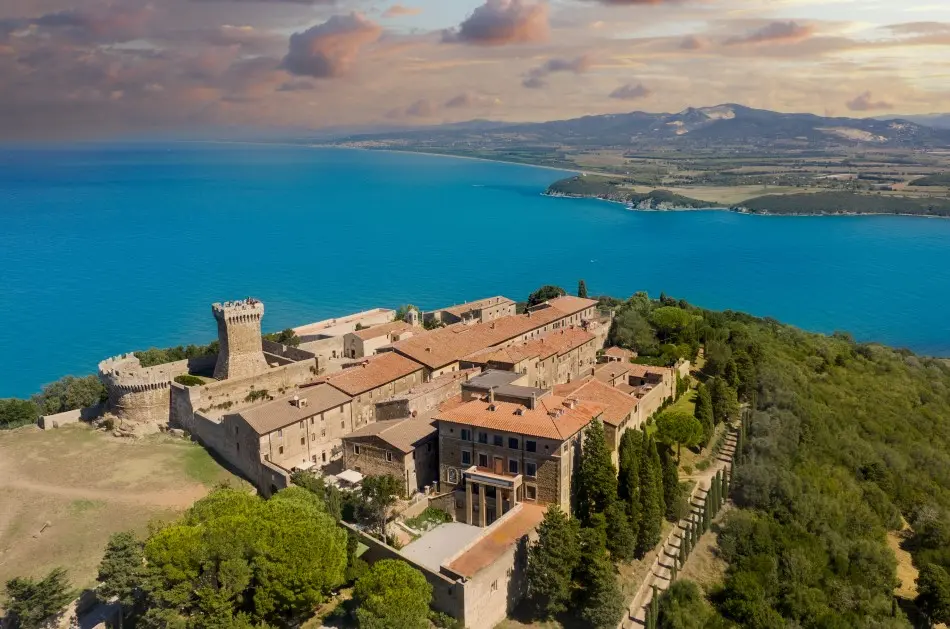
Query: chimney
x=295, y=401
x=491, y=396
x=533, y=402
x=593, y=371
x=570, y=403
x=492, y=408
x=519, y=411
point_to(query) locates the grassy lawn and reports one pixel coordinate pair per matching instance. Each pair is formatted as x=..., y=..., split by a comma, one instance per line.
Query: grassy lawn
x=66, y=491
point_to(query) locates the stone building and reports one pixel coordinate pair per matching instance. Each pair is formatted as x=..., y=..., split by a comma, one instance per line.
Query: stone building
x=404, y=448
x=377, y=378
x=478, y=311
x=425, y=397
x=494, y=455
x=440, y=351
x=325, y=338
x=367, y=341
x=239, y=336
x=558, y=356
x=296, y=431
x=621, y=410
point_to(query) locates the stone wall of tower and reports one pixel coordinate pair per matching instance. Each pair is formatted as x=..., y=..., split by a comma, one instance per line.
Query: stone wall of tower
x=239, y=335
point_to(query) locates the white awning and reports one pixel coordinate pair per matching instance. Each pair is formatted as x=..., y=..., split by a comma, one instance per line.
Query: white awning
x=350, y=476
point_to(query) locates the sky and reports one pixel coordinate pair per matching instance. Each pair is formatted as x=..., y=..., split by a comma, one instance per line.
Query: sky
x=105, y=68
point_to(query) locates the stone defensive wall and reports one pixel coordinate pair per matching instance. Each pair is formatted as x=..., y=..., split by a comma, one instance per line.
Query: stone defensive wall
x=284, y=354
x=142, y=394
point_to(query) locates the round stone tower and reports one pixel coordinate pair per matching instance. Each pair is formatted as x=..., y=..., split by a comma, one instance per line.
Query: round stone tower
x=239, y=335
x=139, y=395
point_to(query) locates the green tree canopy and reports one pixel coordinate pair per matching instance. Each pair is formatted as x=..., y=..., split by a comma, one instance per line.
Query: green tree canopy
x=544, y=294
x=704, y=413
x=683, y=606
x=234, y=557
x=378, y=494
x=70, y=393
x=284, y=337
x=122, y=572
x=631, y=330
x=599, y=597
x=628, y=481
x=15, y=413
x=552, y=560
x=596, y=478
x=392, y=595
x=403, y=311
x=933, y=593
x=678, y=428
x=652, y=505
x=32, y=603
x=670, y=321
x=724, y=401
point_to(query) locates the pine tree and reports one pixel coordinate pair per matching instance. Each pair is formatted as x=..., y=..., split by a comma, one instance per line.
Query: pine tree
x=671, y=482
x=704, y=413
x=582, y=289
x=552, y=560
x=628, y=483
x=596, y=477
x=651, y=499
x=599, y=598
x=34, y=603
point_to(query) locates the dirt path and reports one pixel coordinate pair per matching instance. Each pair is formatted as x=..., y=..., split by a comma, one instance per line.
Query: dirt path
x=173, y=498
x=660, y=573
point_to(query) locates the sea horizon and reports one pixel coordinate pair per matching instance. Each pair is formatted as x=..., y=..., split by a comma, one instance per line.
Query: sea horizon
x=115, y=247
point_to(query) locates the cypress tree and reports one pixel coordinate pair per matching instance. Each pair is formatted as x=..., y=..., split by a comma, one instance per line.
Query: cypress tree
x=582, y=289
x=628, y=484
x=600, y=599
x=651, y=499
x=596, y=477
x=621, y=537
x=552, y=560
x=704, y=413
x=671, y=481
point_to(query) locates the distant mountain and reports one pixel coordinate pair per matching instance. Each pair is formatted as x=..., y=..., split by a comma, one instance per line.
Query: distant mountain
x=938, y=121
x=719, y=127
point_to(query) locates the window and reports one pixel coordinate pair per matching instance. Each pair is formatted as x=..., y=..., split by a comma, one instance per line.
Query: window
x=235, y=430
x=513, y=443
x=314, y=458
x=280, y=450
x=499, y=441
x=453, y=475
x=302, y=424
x=303, y=440
x=311, y=421
x=531, y=469
x=323, y=455
x=267, y=457
x=512, y=466
x=530, y=492
x=356, y=449
x=323, y=432
x=466, y=434
x=280, y=432
x=238, y=447
x=483, y=437
x=531, y=446
x=494, y=585
x=389, y=456
x=482, y=460
x=466, y=458
x=313, y=436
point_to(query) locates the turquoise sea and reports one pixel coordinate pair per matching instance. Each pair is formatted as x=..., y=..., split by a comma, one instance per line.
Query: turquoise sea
x=110, y=248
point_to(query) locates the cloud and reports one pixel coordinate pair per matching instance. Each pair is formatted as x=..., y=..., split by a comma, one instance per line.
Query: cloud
x=630, y=92
x=500, y=22
x=399, y=10
x=329, y=49
x=106, y=24
x=306, y=2
x=536, y=76
x=296, y=86
x=774, y=32
x=693, y=42
x=865, y=102
x=469, y=99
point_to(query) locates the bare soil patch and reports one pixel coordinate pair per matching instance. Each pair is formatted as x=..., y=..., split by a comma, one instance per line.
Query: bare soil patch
x=87, y=485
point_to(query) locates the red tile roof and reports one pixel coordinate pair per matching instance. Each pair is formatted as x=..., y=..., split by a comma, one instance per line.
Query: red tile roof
x=382, y=330
x=552, y=418
x=497, y=539
x=373, y=373
x=557, y=342
x=618, y=404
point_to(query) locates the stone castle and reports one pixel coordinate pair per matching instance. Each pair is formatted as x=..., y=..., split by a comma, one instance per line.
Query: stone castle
x=239, y=334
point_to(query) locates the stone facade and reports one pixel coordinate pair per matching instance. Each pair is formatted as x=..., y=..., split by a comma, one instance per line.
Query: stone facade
x=239, y=336
x=372, y=456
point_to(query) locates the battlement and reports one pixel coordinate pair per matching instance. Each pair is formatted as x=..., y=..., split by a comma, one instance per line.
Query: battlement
x=243, y=311
x=125, y=373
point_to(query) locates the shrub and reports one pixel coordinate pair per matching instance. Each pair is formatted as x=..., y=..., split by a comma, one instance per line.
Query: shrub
x=189, y=380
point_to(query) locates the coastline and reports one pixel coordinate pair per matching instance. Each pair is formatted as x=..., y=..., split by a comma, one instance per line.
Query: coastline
x=449, y=155
x=740, y=210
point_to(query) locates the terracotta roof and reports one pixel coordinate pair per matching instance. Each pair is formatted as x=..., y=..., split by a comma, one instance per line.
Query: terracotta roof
x=433, y=385
x=452, y=343
x=568, y=304
x=552, y=418
x=558, y=342
x=402, y=434
x=611, y=371
x=497, y=539
x=644, y=370
x=476, y=305
x=619, y=352
x=270, y=416
x=618, y=404
x=381, y=330
x=373, y=373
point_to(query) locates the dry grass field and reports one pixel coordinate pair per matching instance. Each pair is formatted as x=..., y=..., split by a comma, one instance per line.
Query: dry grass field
x=64, y=492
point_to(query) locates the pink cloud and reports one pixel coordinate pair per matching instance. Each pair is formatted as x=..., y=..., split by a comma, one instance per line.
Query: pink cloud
x=500, y=22
x=330, y=49
x=631, y=92
x=399, y=10
x=865, y=102
x=775, y=32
